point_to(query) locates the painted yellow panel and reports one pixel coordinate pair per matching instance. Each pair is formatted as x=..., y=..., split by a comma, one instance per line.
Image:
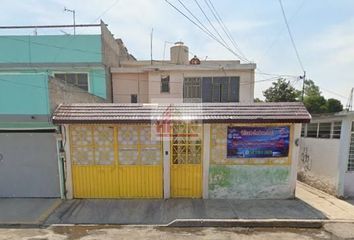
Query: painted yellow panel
x=92, y=181
x=186, y=160
x=102, y=167
x=186, y=181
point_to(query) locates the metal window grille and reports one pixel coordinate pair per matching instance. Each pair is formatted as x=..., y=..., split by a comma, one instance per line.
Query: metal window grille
x=78, y=79
x=336, y=129
x=192, y=88
x=312, y=130
x=211, y=89
x=351, y=154
x=165, y=84
x=303, y=127
x=324, y=130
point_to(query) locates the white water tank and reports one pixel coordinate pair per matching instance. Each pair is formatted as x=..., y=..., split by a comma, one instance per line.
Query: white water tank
x=179, y=53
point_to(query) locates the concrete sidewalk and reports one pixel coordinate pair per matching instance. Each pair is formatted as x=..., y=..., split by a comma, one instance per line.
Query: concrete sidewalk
x=332, y=207
x=162, y=212
x=26, y=211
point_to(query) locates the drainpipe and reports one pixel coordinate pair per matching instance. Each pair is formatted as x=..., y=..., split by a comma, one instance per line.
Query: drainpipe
x=61, y=166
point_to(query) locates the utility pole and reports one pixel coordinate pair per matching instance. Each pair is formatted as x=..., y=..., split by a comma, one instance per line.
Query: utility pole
x=303, y=86
x=73, y=12
x=349, y=106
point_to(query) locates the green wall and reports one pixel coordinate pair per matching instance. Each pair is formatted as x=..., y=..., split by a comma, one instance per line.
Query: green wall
x=98, y=82
x=24, y=94
x=51, y=49
x=249, y=181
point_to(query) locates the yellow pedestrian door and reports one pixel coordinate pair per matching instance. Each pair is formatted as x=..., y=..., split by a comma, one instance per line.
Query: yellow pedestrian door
x=186, y=160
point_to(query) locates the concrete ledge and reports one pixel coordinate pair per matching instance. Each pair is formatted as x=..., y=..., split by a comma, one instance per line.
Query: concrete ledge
x=263, y=223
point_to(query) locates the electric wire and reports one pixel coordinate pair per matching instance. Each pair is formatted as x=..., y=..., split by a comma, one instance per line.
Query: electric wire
x=224, y=27
x=197, y=25
x=291, y=36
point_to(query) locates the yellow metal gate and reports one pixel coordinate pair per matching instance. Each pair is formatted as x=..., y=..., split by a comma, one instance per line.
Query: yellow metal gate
x=186, y=160
x=118, y=161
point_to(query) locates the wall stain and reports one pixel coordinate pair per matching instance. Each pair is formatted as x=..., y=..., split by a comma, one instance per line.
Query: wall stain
x=242, y=182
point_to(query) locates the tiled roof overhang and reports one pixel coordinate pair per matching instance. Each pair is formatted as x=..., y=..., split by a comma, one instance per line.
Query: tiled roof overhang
x=108, y=113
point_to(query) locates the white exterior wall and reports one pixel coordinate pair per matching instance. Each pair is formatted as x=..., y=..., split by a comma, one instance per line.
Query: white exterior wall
x=346, y=178
x=318, y=162
x=147, y=85
x=176, y=84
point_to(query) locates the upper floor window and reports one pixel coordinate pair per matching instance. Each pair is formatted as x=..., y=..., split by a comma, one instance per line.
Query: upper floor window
x=165, y=84
x=212, y=89
x=78, y=79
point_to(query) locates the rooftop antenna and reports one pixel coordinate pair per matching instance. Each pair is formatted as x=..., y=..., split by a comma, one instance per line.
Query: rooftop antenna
x=73, y=12
x=151, y=35
x=349, y=106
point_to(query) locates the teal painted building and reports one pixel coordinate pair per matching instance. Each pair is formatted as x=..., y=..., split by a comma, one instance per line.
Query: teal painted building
x=27, y=63
x=37, y=73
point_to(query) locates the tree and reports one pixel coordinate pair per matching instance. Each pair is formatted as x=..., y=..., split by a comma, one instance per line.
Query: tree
x=258, y=100
x=316, y=103
x=281, y=91
x=333, y=105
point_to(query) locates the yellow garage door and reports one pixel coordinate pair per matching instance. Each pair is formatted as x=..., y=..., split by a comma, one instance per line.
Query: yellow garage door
x=116, y=161
x=186, y=160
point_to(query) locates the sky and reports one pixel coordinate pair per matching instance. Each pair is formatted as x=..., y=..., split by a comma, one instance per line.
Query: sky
x=323, y=31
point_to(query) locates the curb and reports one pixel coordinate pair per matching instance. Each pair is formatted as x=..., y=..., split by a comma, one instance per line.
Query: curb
x=191, y=223
x=260, y=223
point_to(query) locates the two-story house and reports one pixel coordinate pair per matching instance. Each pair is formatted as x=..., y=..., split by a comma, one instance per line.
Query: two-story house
x=182, y=80
x=37, y=73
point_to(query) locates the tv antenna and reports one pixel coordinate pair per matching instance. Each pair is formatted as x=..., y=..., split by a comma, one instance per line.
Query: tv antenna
x=73, y=12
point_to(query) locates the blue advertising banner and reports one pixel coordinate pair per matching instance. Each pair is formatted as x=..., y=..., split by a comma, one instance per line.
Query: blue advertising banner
x=257, y=142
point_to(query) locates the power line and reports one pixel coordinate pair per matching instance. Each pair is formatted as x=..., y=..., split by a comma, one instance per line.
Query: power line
x=276, y=38
x=106, y=10
x=210, y=35
x=210, y=23
x=197, y=19
x=224, y=27
x=290, y=35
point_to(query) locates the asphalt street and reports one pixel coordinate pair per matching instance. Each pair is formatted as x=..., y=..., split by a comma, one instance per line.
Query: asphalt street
x=329, y=231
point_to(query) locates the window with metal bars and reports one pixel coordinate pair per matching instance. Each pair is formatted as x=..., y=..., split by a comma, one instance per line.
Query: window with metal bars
x=324, y=130
x=211, y=89
x=78, y=79
x=312, y=130
x=165, y=84
x=336, y=129
x=351, y=151
x=303, y=128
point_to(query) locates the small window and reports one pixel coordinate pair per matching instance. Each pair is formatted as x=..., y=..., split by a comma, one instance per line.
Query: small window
x=312, y=130
x=324, y=130
x=336, y=129
x=303, y=126
x=165, y=84
x=134, y=98
x=351, y=153
x=78, y=79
